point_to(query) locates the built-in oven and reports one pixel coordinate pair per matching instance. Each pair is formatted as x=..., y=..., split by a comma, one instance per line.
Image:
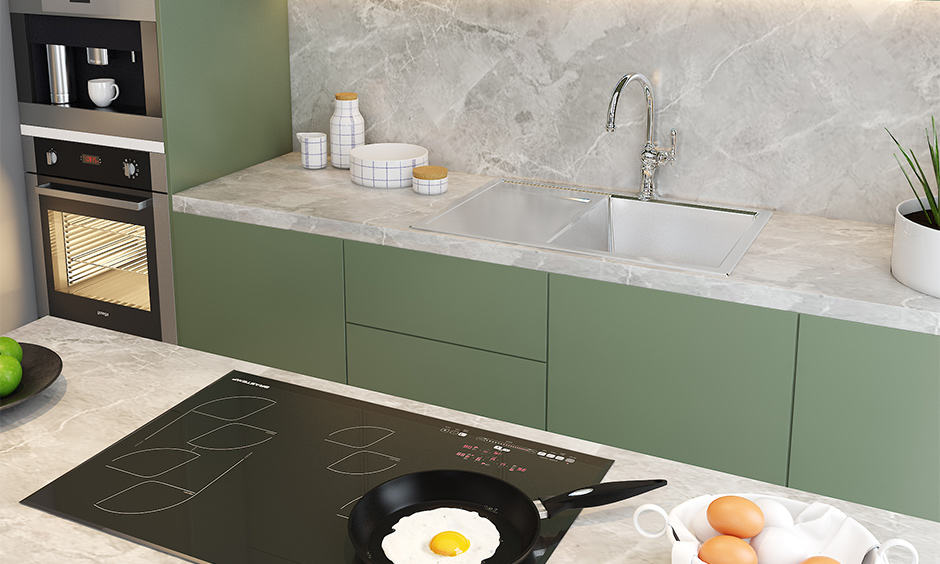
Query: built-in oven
x=101, y=235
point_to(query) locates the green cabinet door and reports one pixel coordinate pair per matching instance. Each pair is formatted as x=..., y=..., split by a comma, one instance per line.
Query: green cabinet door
x=866, y=420
x=700, y=381
x=265, y=295
x=225, y=74
x=475, y=304
x=489, y=384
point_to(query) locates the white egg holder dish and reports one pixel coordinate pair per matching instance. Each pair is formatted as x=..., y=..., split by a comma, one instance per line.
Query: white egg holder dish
x=386, y=165
x=685, y=544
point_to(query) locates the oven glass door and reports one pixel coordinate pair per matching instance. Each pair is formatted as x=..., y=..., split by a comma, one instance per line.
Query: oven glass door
x=98, y=244
x=101, y=259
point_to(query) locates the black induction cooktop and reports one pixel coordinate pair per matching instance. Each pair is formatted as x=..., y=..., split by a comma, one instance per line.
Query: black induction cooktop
x=253, y=470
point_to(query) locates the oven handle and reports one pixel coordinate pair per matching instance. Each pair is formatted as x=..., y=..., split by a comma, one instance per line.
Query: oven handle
x=45, y=190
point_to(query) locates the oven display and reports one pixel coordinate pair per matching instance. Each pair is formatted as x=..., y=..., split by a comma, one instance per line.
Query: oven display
x=94, y=160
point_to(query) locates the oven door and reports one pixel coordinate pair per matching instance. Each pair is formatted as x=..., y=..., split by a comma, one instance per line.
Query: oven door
x=99, y=254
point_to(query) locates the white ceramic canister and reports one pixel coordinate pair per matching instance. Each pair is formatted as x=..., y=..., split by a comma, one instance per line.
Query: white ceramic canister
x=429, y=180
x=312, y=150
x=347, y=128
x=916, y=248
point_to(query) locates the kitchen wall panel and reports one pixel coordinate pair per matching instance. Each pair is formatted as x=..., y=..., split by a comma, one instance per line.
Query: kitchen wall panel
x=779, y=103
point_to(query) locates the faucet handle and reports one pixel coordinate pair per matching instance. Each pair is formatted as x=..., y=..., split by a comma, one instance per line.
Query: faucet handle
x=668, y=155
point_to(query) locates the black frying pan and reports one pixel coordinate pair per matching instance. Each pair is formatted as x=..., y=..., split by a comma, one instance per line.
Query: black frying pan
x=515, y=515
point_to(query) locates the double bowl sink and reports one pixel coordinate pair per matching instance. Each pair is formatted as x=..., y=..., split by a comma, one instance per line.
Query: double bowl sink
x=656, y=232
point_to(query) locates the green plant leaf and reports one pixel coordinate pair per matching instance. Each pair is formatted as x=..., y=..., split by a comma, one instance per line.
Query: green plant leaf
x=933, y=216
x=916, y=195
x=923, y=180
x=935, y=154
x=907, y=158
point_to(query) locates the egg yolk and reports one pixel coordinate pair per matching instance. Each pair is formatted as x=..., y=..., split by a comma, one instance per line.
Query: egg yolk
x=449, y=543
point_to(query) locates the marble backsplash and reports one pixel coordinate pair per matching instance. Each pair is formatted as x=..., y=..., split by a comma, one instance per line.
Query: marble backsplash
x=779, y=104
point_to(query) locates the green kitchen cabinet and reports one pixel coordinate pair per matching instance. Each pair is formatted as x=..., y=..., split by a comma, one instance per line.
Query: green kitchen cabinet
x=260, y=294
x=690, y=379
x=866, y=419
x=495, y=385
x=481, y=305
x=225, y=83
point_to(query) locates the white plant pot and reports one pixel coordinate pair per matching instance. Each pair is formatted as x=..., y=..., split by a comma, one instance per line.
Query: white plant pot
x=915, y=258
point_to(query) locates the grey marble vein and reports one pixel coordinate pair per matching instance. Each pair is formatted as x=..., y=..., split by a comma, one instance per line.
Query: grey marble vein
x=780, y=104
x=113, y=383
x=806, y=264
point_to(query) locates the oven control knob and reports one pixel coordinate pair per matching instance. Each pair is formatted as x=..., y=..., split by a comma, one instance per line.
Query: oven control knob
x=130, y=169
x=51, y=157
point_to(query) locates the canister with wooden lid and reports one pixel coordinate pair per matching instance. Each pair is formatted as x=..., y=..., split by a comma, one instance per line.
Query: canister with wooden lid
x=347, y=128
x=429, y=180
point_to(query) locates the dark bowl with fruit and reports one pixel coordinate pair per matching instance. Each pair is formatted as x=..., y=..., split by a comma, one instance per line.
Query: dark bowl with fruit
x=25, y=371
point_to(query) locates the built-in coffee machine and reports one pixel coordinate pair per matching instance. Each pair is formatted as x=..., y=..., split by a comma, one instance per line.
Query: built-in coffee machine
x=61, y=46
x=88, y=83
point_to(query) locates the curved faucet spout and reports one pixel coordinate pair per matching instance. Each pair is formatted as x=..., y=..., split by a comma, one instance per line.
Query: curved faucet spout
x=615, y=97
x=652, y=156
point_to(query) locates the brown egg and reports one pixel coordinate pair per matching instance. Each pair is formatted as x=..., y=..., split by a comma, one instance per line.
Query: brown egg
x=727, y=550
x=735, y=516
x=820, y=560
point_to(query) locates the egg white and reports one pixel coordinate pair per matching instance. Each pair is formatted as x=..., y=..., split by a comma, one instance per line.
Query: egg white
x=411, y=535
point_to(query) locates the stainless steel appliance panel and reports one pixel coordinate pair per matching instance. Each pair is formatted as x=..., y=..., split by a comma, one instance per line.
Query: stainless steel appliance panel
x=140, y=10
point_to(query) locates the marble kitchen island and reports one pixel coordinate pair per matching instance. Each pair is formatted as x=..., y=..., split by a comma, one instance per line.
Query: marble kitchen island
x=113, y=383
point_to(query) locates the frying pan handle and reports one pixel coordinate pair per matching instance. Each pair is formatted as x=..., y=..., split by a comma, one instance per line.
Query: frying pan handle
x=600, y=494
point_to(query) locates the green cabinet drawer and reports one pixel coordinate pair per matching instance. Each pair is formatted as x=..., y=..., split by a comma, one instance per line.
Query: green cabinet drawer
x=485, y=383
x=866, y=420
x=265, y=295
x=700, y=381
x=476, y=304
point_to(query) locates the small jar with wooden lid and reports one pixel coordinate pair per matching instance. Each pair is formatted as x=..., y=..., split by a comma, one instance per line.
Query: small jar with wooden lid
x=429, y=180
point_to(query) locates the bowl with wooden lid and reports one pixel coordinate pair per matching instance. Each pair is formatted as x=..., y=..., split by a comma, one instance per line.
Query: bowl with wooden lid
x=429, y=180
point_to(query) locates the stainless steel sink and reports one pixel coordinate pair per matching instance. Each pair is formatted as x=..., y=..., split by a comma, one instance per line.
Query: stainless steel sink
x=657, y=232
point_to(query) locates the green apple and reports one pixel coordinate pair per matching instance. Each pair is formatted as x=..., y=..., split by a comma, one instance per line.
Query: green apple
x=10, y=347
x=11, y=372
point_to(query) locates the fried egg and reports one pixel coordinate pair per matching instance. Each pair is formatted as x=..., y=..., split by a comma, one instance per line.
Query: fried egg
x=445, y=535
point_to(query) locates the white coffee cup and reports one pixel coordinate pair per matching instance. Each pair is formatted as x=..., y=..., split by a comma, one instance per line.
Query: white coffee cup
x=312, y=149
x=103, y=91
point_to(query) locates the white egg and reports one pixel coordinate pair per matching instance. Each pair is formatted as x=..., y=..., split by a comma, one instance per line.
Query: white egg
x=776, y=545
x=699, y=526
x=409, y=543
x=775, y=514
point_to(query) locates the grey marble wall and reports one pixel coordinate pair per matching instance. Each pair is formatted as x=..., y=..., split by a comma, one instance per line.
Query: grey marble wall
x=779, y=104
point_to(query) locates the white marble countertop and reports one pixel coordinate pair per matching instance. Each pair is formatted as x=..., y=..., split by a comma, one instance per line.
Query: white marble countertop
x=806, y=264
x=113, y=383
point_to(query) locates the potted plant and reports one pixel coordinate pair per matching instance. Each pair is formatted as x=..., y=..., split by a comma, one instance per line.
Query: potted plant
x=915, y=258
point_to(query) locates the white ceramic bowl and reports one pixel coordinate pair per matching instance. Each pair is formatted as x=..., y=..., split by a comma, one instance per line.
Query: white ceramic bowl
x=386, y=165
x=679, y=522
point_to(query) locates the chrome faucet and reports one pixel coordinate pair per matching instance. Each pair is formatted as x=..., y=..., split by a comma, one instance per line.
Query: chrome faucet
x=652, y=156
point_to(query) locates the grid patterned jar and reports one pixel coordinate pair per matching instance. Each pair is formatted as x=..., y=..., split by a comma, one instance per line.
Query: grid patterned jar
x=429, y=180
x=347, y=128
x=312, y=149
